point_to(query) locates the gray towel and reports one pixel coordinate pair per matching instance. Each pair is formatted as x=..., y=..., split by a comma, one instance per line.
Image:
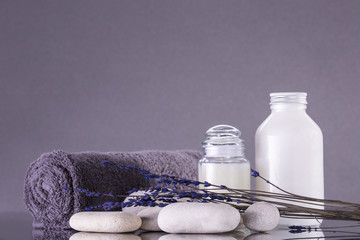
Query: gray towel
x=52, y=207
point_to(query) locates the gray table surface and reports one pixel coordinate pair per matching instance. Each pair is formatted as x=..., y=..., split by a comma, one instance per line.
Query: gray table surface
x=18, y=226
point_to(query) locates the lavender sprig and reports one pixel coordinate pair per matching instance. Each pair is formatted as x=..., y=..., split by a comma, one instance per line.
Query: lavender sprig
x=290, y=205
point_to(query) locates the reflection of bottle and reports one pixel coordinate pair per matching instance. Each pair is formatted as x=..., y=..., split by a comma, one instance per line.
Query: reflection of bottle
x=278, y=234
x=224, y=162
x=289, y=151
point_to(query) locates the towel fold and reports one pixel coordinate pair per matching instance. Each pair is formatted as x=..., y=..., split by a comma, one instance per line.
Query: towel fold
x=52, y=207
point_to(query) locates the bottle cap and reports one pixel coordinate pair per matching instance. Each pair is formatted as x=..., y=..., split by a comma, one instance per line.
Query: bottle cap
x=288, y=97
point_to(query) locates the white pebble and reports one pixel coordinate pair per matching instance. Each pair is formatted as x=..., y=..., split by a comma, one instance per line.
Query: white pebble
x=133, y=209
x=261, y=217
x=110, y=222
x=138, y=209
x=191, y=217
x=149, y=219
x=103, y=236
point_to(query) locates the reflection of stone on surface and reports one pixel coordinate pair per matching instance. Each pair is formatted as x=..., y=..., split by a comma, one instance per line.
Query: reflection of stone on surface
x=104, y=236
x=261, y=236
x=240, y=232
x=46, y=234
x=189, y=236
x=152, y=235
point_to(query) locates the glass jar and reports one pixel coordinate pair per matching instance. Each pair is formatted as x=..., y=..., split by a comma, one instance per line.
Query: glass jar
x=224, y=162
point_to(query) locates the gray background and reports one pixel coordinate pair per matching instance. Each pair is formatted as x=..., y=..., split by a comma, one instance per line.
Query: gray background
x=133, y=75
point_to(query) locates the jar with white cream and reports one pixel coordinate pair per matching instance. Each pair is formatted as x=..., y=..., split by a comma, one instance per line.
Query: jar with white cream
x=224, y=162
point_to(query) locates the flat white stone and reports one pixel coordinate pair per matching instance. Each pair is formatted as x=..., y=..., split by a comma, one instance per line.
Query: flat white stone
x=149, y=219
x=106, y=222
x=138, y=209
x=261, y=217
x=132, y=209
x=192, y=217
x=103, y=236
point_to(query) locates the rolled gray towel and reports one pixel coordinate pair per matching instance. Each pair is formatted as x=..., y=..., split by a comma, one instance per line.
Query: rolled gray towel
x=52, y=207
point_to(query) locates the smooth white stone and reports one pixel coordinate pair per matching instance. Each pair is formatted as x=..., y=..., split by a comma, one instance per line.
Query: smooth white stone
x=188, y=236
x=138, y=209
x=110, y=222
x=134, y=210
x=103, y=236
x=191, y=217
x=261, y=217
x=149, y=219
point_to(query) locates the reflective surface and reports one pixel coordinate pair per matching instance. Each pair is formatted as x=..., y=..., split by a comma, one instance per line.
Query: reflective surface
x=18, y=226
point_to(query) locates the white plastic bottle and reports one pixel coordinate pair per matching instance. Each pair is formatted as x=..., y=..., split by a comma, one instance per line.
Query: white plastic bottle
x=289, y=151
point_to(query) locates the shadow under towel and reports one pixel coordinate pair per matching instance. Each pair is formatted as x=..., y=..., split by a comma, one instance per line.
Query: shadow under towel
x=52, y=207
